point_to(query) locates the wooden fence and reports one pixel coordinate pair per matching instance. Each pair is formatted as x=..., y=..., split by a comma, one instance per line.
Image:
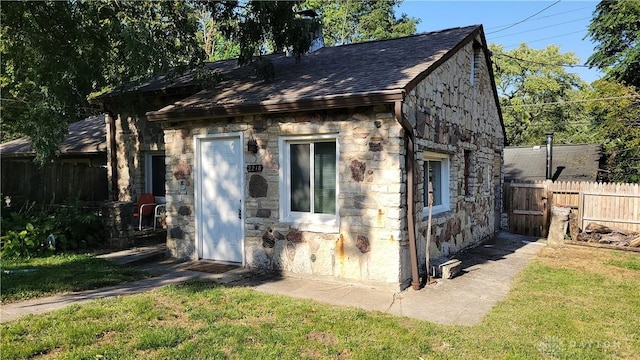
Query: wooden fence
x=613, y=205
x=53, y=184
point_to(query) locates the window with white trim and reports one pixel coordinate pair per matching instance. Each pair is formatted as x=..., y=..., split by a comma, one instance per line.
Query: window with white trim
x=436, y=172
x=309, y=179
x=155, y=173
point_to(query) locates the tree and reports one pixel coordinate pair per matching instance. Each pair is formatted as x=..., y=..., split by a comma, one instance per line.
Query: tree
x=615, y=111
x=346, y=22
x=215, y=45
x=256, y=26
x=535, y=94
x=615, y=29
x=54, y=54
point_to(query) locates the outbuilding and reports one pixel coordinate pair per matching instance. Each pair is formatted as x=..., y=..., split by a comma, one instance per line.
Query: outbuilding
x=320, y=165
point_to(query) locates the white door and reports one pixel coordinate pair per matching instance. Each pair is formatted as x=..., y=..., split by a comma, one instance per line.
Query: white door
x=220, y=195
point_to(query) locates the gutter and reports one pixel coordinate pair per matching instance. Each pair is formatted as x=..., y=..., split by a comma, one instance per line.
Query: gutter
x=173, y=113
x=411, y=187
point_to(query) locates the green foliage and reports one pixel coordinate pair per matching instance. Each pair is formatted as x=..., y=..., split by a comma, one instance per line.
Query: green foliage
x=617, y=121
x=615, y=29
x=25, y=243
x=211, y=39
x=255, y=26
x=347, y=22
x=56, y=53
x=537, y=96
x=533, y=87
x=30, y=233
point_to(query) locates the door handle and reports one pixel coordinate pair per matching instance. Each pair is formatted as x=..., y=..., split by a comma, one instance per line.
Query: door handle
x=240, y=210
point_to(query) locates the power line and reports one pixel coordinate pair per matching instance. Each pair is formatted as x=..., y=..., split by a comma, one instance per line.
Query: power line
x=574, y=101
x=521, y=21
x=547, y=38
x=541, y=63
x=544, y=17
x=540, y=28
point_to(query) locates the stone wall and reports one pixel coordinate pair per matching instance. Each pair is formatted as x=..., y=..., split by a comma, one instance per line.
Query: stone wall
x=452, y=115
x=370, y=236
x=134, y=137
x=117, y=217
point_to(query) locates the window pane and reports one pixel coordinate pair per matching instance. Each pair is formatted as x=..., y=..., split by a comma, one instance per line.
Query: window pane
x=434, y=175
x=300, y=177
x=324, y=178
x=158, y=173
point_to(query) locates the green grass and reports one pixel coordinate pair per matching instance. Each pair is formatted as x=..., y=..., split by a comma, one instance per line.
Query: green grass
x=37, y=277
x=627, y=263
x=568, y=304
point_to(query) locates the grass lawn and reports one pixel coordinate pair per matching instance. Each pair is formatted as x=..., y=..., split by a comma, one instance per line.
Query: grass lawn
x=574, y=303
x=38, y=277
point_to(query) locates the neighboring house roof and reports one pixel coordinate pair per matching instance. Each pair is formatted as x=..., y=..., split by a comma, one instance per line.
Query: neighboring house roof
x=348, y=75
x=85, y=137
x=569, y=162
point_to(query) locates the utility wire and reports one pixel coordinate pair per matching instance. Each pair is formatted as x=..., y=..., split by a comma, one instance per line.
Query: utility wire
x=541, y=63
x=574, y=101
x=544, y=17
x=540, y=28
x=547, y=38
x=521, y=21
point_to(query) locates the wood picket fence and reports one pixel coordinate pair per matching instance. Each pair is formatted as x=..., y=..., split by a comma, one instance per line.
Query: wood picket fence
x=529, y=204
x=53, y=184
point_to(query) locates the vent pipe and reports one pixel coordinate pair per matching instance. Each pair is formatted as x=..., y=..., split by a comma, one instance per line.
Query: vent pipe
x=549, y=155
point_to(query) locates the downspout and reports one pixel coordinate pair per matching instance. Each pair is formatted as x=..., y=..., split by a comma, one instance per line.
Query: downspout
x=411, y=186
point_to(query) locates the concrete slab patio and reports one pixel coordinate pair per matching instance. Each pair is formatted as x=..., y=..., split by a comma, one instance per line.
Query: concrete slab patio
x=487, y=274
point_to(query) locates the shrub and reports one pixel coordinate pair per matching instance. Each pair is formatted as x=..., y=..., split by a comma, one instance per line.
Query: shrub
x=26, y=243
x=29, y=232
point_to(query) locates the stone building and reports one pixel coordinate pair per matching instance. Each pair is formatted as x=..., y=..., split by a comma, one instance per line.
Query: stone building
x=320, y=166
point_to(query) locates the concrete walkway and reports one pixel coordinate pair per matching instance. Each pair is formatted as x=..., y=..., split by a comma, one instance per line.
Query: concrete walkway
x=488, y=271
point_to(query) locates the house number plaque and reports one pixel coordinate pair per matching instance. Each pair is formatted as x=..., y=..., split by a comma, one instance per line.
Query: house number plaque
x=254, y=168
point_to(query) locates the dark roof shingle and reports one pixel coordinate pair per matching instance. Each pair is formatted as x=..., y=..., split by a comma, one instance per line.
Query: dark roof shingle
x=87, y=137
x=570, y=162
x=363, y=69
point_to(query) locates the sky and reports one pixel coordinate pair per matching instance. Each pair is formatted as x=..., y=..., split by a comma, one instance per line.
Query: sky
x=510, y=22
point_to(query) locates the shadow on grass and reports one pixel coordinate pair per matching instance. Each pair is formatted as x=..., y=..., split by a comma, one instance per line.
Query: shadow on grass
x=25, y=279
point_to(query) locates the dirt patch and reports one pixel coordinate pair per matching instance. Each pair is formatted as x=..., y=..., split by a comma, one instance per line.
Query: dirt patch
x=585, y=259
x=322, y=337
x=344, y=354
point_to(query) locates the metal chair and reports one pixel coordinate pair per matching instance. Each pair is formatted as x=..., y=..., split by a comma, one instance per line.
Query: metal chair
x=157, y=214
x=144, y=208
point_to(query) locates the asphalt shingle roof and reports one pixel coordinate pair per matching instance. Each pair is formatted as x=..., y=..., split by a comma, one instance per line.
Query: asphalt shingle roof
x=87, y=136
x=377, y=67
x=569, y=162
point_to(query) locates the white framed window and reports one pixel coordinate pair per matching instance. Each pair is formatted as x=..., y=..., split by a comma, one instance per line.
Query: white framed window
x=309, y=179
x=436, y=172
x=155, y=173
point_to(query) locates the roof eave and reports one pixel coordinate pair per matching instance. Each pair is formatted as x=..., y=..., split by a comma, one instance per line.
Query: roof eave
x=221, y=111
x=469, y=37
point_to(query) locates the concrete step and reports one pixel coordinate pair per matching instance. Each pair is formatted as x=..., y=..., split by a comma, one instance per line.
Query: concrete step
x=137, y=255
